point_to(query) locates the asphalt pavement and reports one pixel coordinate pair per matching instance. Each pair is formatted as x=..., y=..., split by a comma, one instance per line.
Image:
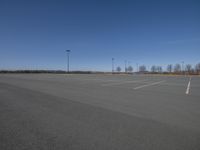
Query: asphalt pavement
x=99, y=112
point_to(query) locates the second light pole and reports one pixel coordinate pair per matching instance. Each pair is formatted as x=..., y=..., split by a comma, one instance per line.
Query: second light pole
x=68, y=52
x=113, y=67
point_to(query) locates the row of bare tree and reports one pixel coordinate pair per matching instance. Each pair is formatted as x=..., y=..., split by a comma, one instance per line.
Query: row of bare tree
x=177, y=69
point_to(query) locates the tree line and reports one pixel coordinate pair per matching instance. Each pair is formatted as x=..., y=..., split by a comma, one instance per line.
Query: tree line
x=171, y=69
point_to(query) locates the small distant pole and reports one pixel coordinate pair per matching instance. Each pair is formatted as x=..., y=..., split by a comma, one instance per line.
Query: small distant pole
x=113, y=66
x=129, y=63
x=68, y=52
x=183, y=67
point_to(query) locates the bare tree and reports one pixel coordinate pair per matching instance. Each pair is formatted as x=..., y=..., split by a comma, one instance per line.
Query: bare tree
x=142, y=68
x=130, y=69
x=197, y=68
x=169, y=68
x=156, y=69
x=159, y=69
x=153, y=69
x=188, y=68
x=119, y=69
x=177, y=68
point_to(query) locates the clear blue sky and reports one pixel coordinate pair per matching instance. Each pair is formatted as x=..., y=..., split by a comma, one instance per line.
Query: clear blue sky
x=34, y=34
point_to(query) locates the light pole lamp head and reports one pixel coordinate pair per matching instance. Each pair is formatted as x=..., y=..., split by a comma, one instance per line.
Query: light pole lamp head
x=68, y=51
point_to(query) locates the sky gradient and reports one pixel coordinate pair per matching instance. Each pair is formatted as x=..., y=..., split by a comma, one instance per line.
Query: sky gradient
x=35, y=34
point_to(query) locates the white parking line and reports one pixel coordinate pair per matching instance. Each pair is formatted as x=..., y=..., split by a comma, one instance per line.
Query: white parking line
x=142, y=86
x=103, y=80
x=124, y=82
x=188, y=87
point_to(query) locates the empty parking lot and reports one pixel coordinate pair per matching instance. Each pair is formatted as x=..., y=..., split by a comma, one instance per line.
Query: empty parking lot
x=68, y=111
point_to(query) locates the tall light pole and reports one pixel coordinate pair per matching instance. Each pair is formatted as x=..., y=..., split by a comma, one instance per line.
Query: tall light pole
x=68, y=52
x=125, y=66
x=113, y=65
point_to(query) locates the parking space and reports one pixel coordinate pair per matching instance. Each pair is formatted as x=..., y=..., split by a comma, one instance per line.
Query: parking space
x=164, y=84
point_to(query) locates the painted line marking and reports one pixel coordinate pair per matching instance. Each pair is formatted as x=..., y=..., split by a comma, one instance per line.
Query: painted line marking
x=146, y=85
x=188, y=87
x=103, y=80
x=120, y=83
